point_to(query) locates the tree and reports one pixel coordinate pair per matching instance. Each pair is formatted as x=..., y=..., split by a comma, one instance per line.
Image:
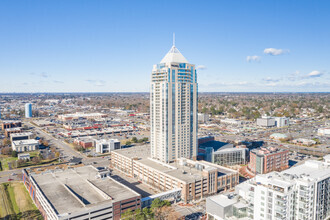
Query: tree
x=78, y=148
x=36, y=160
x=147, y=213
x=50, y=157
x=6, y=150
x=6, y=142
x=128, y=143
x=21, y=163
x=128, y=215
x=45, y=143
x=14, y=153
x=57, y=154
x=134, y=140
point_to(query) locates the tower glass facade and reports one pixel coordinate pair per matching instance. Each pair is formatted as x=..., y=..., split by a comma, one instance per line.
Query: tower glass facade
x=173, y=108
x=28, y=110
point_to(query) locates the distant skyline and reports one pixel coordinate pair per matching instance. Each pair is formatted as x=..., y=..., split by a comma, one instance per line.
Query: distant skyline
x=111, y=46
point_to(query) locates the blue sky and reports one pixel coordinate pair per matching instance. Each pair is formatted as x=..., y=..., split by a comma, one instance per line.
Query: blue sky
x=110, y=46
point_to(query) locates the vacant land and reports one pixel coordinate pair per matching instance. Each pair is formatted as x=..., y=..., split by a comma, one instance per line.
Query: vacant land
x=6, y=162
x=15, y=202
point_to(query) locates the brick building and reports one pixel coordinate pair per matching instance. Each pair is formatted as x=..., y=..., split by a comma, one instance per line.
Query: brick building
x=264, y=160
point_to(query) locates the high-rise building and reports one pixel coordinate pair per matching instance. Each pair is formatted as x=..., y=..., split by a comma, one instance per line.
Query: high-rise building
x=28, y=110
x=173, y=108
x=298, y=193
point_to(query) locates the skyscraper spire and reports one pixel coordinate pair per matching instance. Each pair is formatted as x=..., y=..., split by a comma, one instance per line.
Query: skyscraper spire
x=173, y=39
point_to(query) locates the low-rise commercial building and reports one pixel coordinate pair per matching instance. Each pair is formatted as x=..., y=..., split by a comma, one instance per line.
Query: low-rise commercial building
x=264, y=160
x=23, y=156
x=85, y=142
x=68, y=117
x=25, y=145
x=323, y=131
x=226, y=206
x=21, y=136
x=230, y=156
x=79, y=193
x=197, y=179
x=105, y=146
x=231, y=121
x=10, y=131
x=304, y=141
x=10, y=124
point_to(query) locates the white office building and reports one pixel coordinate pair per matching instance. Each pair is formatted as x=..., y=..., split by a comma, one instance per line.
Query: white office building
x=25, y=145
x=298, y=193
x=173, y=108
x=203, y=117
x=266, y=121
x=281, y=121
x=105, y=146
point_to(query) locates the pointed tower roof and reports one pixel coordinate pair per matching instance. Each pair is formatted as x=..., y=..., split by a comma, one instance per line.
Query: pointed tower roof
x=175, y=56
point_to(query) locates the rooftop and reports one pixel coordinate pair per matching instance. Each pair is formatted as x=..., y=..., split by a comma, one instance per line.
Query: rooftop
x=21, y=134
x=80, y=189
x=267, y=150
x=28, y=141
x=174, y=56
x=183, y=169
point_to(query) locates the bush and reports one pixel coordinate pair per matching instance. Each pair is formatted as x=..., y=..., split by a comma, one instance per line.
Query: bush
x=14, y=153
x=134, y=140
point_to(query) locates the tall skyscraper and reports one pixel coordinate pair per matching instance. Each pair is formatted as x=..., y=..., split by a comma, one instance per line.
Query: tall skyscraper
x=173, y=108
x=28, y=110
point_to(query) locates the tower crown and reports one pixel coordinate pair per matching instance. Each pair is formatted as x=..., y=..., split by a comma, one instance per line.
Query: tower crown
x=174, y=56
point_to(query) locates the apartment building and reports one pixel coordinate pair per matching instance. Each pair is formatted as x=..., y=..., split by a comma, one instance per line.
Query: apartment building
x=173, y=108
x=197, y=179
x=264, y=160
x=301, y=192
x=298, y=193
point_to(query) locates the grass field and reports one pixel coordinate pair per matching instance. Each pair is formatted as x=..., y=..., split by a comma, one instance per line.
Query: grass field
x=4, y=161
x=15, y=202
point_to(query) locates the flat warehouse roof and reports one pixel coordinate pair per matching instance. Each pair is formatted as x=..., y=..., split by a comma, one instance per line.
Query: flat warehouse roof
x=80, y=189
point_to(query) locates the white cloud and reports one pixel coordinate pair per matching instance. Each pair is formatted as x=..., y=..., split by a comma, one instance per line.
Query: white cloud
x=96, y=82
x=44, y=75
x=201, y=67
x=315, y=73
x=217, y=84
x=253, y=58
x=271, y=80
x=275, y=52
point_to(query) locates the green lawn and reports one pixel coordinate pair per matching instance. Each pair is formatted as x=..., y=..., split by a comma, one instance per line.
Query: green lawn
x=4, y=162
